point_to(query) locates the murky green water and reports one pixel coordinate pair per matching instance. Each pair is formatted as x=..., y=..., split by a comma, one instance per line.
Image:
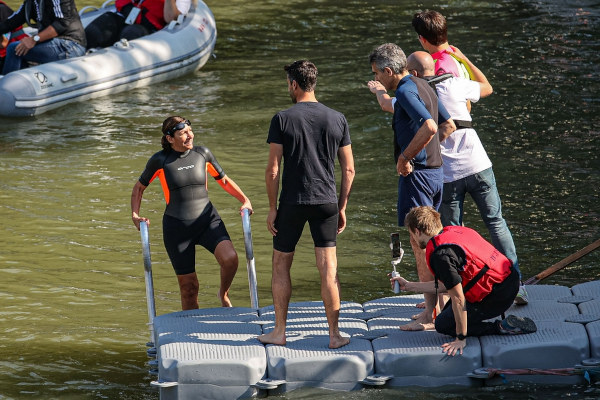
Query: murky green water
x=72, y=300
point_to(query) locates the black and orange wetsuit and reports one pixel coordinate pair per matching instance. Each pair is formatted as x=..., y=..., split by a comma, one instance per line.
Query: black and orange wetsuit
x=189, y=217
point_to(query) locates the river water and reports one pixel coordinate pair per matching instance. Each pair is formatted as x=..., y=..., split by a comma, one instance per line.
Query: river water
x=72, y=300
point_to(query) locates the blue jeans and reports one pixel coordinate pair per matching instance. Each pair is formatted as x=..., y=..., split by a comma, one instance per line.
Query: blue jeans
x=482, y=188
x=44, y=52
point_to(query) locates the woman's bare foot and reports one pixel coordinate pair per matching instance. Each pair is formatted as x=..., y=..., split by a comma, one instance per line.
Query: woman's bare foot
x=272, y=338
x=420, y=305
x=225, y=302
x=335, y=342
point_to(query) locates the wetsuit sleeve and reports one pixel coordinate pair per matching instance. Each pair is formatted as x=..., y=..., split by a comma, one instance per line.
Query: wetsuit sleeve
x=275, y=131
x=212, y=165
x=17, y=19
x=446, y=261
x=152, y=166
x=414, y=107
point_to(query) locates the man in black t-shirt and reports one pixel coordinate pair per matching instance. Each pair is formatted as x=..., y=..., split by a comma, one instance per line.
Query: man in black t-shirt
x=308, y=137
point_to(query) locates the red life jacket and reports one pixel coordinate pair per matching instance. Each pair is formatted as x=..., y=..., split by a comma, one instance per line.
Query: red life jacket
x=15, y=36
x=484, y=267
x=152, y=10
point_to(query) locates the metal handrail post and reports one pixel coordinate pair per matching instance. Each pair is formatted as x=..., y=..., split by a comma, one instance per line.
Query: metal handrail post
x=148, y=277
x=250, y=259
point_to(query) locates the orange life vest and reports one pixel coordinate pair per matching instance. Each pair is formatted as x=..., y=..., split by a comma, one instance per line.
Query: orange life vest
x=484, y=266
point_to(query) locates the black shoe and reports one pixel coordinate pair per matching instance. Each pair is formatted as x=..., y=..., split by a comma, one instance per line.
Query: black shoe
x=513, y=325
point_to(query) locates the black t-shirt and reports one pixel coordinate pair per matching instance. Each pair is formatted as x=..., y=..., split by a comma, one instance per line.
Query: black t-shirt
x=311, y=134
x=446, y=262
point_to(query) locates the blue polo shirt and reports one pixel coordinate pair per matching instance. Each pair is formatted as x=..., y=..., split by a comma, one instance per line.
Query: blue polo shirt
x=415, y=103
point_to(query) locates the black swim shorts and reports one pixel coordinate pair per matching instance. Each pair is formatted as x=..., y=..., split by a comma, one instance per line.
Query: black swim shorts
x=181, y=236
x=322, y=220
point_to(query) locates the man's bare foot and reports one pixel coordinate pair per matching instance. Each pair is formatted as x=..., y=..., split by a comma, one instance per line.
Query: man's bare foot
x=417, y=326
x=225, y=302
x=421, y=323
x=335, y=342
x=272, y=338
x=418, y=316
x=420, y=305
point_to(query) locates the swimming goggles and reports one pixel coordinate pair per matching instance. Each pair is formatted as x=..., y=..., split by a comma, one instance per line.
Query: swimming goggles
x=178, y=127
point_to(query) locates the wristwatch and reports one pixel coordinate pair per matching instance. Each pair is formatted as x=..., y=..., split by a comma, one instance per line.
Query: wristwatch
x=461, y=336
x=36, y=38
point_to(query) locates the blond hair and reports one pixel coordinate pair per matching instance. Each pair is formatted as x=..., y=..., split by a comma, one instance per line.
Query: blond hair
x=425, y=219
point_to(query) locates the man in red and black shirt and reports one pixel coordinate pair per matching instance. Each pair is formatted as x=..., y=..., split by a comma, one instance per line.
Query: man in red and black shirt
x=480, y=281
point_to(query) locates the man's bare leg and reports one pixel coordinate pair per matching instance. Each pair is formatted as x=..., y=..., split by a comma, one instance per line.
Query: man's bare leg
x=424, y=320
x=281, y=286
x=330, y=293
x=228, y=260
x=188, y=290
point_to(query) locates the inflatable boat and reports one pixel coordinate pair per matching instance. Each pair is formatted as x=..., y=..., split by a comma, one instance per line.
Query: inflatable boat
x=183, y=46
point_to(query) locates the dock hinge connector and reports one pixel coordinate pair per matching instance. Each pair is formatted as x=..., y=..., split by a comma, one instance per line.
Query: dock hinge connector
x=376, y=380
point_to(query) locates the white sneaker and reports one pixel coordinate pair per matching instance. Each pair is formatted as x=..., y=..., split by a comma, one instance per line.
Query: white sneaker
x=521, y=298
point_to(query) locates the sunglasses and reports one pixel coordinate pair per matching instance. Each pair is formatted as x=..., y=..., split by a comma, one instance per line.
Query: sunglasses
x=179, y=127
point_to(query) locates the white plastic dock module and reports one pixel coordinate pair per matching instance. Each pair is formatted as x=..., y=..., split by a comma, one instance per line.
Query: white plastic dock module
x=307, y=360
x=212, y=354
x=416, y=358
x=554, y=345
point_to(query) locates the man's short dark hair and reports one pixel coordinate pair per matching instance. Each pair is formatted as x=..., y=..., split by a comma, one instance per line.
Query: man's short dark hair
x=304, y=73
x=432, y=26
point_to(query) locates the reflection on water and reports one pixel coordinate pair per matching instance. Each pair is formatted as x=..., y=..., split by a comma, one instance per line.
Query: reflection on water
x=72, y=301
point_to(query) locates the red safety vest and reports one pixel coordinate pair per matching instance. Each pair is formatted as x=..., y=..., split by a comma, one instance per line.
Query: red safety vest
x=15, y=36
x=484, y=267
x=153, y=11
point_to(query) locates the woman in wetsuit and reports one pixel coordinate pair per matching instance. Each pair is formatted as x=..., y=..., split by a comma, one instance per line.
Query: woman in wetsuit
x=189, y=217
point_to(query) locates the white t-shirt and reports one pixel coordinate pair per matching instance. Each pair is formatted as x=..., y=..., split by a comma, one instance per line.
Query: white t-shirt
x=462, y=151
x=183, y=6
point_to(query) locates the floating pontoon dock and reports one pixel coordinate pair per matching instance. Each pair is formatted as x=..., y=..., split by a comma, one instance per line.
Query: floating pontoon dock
x=214, y=353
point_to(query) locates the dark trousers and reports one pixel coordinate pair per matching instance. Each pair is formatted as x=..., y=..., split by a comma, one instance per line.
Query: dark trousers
x=110, y=27
x=494, y=304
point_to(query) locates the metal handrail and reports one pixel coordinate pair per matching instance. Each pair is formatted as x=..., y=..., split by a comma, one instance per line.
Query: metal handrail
x=148, y=277
x=250, y=259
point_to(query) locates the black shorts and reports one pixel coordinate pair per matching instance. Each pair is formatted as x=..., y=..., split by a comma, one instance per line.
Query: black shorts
x=181, y=236
x=322, y=220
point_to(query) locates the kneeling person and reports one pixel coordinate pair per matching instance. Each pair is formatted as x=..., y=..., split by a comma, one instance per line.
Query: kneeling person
x=480, y=281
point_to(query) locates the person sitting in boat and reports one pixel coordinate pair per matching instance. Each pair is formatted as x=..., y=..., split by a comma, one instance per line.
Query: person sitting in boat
x=479, y=279
x=60, y=34
x=133, y=19
x=14, y=36
x=190, y=218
